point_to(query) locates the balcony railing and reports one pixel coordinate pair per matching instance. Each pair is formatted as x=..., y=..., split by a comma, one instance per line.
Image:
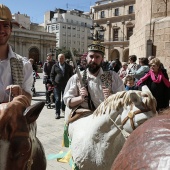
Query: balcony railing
x=106, y=1
x=117, y=39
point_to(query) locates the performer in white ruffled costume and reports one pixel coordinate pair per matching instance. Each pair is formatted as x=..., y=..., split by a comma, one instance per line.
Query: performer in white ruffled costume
x=97, y=85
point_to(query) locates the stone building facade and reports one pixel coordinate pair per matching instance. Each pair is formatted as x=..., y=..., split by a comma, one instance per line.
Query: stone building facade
x=72, y=28
x=151, y=34
x=31, y=43
x=30, y=40
x=117, y=17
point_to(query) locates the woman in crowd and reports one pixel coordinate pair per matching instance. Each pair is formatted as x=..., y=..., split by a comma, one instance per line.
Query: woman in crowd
x=132, y=64
x=158, y=82
x=122, y=72
x=144, y=68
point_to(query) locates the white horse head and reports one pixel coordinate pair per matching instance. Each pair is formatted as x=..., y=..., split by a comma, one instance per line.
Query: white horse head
x=96, y=141
x=141, y=108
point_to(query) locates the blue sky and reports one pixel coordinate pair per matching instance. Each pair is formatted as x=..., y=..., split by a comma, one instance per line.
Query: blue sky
x=36, y=8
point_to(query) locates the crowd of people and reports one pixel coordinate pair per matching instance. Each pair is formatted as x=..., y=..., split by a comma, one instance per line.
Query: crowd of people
x=77, y=94
x=60, y=76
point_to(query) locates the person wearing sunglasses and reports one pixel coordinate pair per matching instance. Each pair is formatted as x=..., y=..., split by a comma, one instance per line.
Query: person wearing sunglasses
x=157, y=81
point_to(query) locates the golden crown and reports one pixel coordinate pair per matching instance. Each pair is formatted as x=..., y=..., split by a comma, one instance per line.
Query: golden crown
x=96, y=46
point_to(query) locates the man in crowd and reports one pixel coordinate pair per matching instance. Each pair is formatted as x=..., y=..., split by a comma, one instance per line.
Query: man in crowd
x=60, y=74
x=46, y=71
x=94, y=90
x=16, y=71
x=48, y=66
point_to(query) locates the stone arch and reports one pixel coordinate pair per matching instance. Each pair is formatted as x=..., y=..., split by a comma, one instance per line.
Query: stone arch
x=114, y=54
x=125, y=55
x=34, y=53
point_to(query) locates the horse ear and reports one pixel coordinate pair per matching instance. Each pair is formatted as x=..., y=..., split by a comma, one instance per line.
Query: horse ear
x=33, y=111
x=145, y=88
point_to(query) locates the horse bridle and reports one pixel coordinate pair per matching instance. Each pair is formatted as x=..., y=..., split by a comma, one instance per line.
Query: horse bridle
x=132, y=114
x=30, y=160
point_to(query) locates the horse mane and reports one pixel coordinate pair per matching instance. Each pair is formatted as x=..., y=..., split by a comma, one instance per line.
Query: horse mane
x=121, y=99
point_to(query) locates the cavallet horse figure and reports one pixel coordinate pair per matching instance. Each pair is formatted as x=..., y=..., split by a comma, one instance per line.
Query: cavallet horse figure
x=96, y=139
x=20, y=149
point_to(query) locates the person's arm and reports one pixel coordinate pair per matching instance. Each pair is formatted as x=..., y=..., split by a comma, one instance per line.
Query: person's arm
x=72, y=95
x=45, y=68
x=117, y=83
x=141, y=71
x=106, y=92
x=28, y=95
x=28, y=80
x=165, y=73
x=52, y=75
x=16, y=90
x=79, y=99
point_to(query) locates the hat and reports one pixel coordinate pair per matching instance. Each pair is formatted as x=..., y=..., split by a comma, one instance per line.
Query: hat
x=5, y=13
x=96, y=46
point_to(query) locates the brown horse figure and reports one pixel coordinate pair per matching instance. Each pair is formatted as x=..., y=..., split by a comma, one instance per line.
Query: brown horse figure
x=20, y=149
x=148, y=147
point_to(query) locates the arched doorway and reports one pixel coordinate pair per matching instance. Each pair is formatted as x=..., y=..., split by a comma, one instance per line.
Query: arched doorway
x=114, y=54
x=126, y=55
x=34, y=53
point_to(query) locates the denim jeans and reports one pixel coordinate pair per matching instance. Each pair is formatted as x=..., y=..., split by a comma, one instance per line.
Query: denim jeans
x=58, y=92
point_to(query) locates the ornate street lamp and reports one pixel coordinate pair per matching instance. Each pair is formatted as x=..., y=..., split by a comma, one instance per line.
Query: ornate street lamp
x=97, y=32
x=53, y=51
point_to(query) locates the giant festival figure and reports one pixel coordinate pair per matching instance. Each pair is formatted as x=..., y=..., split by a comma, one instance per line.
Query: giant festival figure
x=20, y=149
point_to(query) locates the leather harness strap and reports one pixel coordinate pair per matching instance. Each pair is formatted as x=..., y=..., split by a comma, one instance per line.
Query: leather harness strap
x=22, y=134
x=132, y=114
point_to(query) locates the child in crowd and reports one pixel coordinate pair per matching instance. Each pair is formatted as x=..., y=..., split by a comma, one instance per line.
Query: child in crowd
x=130, y=83
x=49, y=93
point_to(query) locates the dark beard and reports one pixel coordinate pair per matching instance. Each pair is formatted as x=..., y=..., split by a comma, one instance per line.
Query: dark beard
x=93, y=67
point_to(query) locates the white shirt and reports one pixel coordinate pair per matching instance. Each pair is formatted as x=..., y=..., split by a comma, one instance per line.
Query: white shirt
x=94, y=88
x=6, y=77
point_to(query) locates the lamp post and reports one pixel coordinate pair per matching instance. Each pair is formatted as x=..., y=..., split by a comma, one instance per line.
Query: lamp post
x=54, y=51
x=97, y=32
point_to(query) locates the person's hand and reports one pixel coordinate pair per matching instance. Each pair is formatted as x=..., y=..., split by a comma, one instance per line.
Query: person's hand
x=106, y=92
x=83, y=93
x=14, y=90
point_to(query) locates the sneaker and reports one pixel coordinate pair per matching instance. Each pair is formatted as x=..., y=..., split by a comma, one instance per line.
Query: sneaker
x=57, y=117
